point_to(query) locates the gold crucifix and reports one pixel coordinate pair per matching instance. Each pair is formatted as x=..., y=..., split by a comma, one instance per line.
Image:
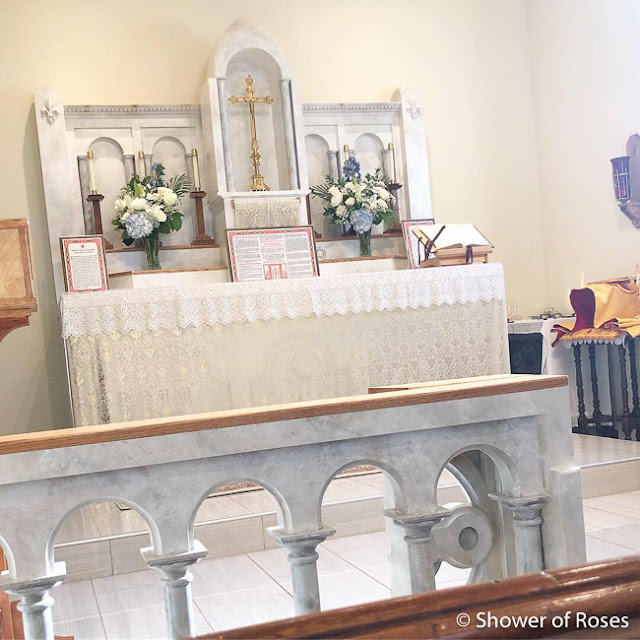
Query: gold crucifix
x=257, y=183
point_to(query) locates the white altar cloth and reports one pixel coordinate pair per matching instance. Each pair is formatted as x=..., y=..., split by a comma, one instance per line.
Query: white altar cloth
x=160, y=352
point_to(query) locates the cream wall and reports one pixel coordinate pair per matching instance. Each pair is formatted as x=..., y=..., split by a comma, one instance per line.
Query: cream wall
x=586, y=88
x=468, y=58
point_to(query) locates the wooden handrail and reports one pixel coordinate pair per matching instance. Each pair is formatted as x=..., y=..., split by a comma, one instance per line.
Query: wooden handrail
x=443, y=391
x=608, y=589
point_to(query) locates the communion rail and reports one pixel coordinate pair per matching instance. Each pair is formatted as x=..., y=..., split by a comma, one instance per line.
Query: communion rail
x=506, y=438
x=599, y=600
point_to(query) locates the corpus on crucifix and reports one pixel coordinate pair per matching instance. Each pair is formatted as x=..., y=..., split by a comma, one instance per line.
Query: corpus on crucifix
x=257, y=183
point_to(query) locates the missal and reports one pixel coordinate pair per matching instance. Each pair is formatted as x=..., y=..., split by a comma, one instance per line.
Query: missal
x=84, y=263
x=272, y=254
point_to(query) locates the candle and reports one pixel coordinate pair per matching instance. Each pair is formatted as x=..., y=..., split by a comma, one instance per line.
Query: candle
x=582, y=279
x=142, y=166
x=346, y=151
x=92, y=176
x=196, y=170
x=393, y=161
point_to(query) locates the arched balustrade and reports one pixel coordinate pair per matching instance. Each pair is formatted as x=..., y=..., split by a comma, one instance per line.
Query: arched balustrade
x=507, y=439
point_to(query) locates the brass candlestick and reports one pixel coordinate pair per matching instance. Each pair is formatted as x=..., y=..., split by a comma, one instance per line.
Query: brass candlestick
x=257, y=182
x=95, y=199
x=201, y=237
x=396, y=227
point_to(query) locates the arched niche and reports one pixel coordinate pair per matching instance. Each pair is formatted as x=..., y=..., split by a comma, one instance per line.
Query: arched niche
x=368, y=151
x=318, y=168
x=172, y=155
x=111, y=176
x=270, y=120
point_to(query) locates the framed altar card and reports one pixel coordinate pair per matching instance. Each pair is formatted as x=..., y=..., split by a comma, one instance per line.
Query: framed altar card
x=415, y=249
x=282, y=253
x=84, y=264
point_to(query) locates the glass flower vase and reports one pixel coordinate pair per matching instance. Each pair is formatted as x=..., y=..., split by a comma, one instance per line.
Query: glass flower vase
x=365, y=243
x=151, y=249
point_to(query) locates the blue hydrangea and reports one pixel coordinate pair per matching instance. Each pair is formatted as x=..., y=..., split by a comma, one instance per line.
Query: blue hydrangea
x=351, y=169
x=139, y=225
x=361, y=220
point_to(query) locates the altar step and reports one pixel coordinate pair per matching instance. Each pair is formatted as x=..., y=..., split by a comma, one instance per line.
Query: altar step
x=354, y=506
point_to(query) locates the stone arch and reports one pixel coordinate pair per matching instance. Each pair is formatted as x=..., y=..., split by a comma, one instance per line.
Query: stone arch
x=506, y=468
x=282, y=507
x=390, y=473
x=368, y=151
x=8, y=555
x=237, y=38
x=154, y=530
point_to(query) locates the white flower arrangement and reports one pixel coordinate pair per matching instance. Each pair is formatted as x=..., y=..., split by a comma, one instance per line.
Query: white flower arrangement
x=360, y=202
x=149, y=206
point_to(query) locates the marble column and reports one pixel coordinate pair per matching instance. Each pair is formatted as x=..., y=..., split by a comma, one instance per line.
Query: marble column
x=226, y=140
x=527, y=526
x=35, y=603
x=287, y=110
x=420, y=547
x=304, y=571
x=176, y=582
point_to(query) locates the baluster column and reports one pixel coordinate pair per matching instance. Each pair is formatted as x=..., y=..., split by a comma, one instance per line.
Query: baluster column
x=35, y=603
x=420, y=547
x=583, y=421
x=304, y=570
x=527, y=521
x=176, y=582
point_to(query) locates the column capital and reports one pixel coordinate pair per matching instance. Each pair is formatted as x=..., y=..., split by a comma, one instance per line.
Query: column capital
x=34, y=585
x=177, y=560
x=417, y=525
x=523, y=509
x=300, y=544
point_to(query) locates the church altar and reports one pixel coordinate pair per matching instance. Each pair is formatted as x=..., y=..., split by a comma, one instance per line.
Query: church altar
x=146, y=353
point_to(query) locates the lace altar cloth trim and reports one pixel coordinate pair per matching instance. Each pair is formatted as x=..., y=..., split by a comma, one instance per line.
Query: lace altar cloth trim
x=241, y=302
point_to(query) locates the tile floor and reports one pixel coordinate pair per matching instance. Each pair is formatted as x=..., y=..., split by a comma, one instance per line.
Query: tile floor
x=255, y=587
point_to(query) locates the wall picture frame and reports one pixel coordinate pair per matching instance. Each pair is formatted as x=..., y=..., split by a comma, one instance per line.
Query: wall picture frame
x=279, y=253
x=84, y=264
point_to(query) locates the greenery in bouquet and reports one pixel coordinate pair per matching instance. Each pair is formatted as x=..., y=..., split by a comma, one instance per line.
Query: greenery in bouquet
x=149, y=206
x=359, y=202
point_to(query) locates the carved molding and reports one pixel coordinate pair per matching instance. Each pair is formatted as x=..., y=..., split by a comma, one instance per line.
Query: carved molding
x=49, y=112
x=342, y=106
x=120, y=109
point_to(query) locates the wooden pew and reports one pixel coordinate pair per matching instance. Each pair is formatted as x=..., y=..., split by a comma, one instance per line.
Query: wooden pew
x=608, y=589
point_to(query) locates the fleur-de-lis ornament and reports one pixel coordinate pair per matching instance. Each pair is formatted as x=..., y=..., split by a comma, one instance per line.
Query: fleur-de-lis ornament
x=49, y=112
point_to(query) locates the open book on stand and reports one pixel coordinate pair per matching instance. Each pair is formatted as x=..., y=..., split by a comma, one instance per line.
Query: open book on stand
x=452, y=244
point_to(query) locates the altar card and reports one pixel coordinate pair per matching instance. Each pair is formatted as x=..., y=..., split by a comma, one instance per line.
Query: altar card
x=415, y=249
x=84, y=264
x=272, y=254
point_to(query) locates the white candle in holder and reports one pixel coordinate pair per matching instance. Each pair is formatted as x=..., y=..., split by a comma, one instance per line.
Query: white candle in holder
x=392, y=164
x=196, y=170
x=92, y=175
x=142, y=165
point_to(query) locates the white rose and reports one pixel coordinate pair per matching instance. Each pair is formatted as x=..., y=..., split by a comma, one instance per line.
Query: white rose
x=127, y=199
x=124, y=216
x=120, y=205
x=341, y=210
x=384, y=194
x=158, y=213
x=336, y=196
x=381, y=205
x=139, y=204
x=350, y=202
x=168, y=196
